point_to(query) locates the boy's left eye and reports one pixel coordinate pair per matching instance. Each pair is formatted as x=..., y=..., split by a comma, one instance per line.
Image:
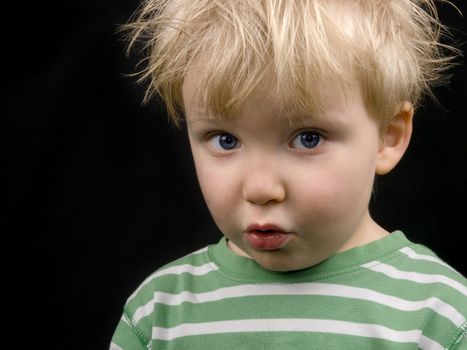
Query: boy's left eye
x=306, y=140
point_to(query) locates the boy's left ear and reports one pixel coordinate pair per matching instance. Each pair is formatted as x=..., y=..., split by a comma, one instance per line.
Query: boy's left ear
x=395, y=138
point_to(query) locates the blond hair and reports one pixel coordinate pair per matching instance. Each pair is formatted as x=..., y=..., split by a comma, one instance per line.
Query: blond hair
x=391, y=48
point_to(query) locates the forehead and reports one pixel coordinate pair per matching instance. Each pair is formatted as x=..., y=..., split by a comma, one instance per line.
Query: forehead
x=330, y=101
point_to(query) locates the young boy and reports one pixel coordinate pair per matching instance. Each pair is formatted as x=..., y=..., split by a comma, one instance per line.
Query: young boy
x=292, y=107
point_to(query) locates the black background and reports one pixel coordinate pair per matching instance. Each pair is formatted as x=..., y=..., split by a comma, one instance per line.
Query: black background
x=99, y=190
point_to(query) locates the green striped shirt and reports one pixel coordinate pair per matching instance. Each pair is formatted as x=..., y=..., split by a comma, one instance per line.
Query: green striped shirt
x=388, y=294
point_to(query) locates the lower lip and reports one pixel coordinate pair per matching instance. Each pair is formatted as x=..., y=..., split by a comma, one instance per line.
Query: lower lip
x=272, y=240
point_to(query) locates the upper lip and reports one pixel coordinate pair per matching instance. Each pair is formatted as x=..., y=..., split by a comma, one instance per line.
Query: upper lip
x=264, y=227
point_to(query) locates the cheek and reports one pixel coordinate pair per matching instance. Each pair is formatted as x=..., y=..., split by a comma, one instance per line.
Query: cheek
x=336, y=191
x=209, y=185
x=218, y=187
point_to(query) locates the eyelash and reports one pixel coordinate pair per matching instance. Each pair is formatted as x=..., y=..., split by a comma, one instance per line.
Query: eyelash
x=215, y=139
x=315, y=142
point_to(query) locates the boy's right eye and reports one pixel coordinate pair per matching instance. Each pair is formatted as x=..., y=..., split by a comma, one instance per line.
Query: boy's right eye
x=224, y=141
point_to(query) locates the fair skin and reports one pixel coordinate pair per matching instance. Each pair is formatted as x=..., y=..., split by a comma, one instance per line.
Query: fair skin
x=291, y=195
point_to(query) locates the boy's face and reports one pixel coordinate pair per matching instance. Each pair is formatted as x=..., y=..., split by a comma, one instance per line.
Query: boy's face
x=287, y=195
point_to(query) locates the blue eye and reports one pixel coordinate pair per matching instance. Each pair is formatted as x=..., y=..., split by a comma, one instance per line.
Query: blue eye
x=225, y=141
x=306, y=139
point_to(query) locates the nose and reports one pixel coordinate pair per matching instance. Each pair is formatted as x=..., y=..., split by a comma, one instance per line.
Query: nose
x=263, y=185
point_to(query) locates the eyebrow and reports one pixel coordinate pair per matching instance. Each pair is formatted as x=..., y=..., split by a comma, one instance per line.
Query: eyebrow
x=287, y=112
x=202, y=119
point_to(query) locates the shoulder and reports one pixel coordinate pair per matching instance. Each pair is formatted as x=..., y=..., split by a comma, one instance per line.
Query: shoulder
x=416, y=271
x=136, y=323
x=169, y=279
x=168, y=276
x=419, y=265
x=424, y=282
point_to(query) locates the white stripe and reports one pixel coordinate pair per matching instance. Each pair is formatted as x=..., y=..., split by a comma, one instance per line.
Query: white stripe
x=144, y=311
x=177, y=270
x=415, y=256
x=147, y=309
x=416, y=277
x=114, y=346
x=294, y=325
x=335, y=290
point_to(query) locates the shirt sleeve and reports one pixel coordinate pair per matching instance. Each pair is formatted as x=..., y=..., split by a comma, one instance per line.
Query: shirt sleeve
x=461, y=342
x=127, y=336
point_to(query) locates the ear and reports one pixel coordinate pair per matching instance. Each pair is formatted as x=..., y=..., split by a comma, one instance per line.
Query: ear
x=395, y=138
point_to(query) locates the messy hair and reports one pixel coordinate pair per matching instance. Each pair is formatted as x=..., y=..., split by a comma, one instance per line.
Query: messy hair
x=391, y=48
